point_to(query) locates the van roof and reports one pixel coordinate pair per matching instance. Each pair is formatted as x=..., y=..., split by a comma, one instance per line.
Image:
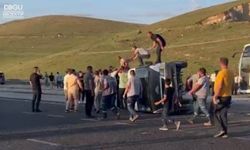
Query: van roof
x=247, y=45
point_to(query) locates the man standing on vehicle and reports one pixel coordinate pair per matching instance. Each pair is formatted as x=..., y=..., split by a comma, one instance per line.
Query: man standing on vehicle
x=35, y=84
x=159, y=44
x=222, y=96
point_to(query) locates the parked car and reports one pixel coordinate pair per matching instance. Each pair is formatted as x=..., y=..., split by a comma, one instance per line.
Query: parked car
x=2, y=78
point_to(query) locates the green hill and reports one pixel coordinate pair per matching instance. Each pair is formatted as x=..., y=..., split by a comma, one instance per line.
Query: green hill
x=57, y=42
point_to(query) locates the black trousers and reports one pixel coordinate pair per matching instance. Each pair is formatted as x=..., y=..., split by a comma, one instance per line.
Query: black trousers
x=36, y=100
x=221, y=112
x=158, y=55
x=121, y=103
x=82, y=95
x=235, y=90
x=212, y=111
x=89, y=102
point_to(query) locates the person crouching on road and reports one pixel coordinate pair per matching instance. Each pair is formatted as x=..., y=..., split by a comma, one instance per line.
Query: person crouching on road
x=167, y=102
x=133, y=92
x=73, y=85
x=201, y=91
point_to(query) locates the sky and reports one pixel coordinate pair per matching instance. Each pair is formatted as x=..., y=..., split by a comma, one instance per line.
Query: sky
x=136, y=11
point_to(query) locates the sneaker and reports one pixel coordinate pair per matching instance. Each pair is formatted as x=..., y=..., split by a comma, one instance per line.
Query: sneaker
x=131, y=119
x=118, y=115
x=224, y=136
x=178, y=124
x=219, y=134
x=191, y=121
x=208, y=124
x=135, y=118
x=67, y=111
x=164, y=128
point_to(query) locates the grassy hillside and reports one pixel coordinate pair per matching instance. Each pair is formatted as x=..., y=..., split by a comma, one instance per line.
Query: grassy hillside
x=194, y=17
x=34, y=41
x=67, y=25
x=85, y=41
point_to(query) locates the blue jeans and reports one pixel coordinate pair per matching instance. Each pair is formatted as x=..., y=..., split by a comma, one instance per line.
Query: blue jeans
x=201, y=103
x=36, y=99
x=108, y=104
x=131, y=105
x=195, y=106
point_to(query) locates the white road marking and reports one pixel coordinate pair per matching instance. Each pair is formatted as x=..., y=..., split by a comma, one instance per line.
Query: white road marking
x=9, y=99
x=145, y=133
x=247, y=138
x=30, y=113
x=239, y=121
x=43, y=142
x=88, y=119
x=56, y=116
x=121, y=123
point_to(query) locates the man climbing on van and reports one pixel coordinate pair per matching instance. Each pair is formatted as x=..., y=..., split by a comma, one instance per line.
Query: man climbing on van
x=140, y=54
x=159, y=44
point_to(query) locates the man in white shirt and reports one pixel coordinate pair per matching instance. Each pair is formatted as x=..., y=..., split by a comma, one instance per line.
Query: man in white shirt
x=140, y=54
x=201, y=92
x=133, y=92
x=107, y=85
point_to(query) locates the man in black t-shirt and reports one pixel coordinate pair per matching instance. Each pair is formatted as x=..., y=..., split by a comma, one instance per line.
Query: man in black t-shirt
x=35, y=83
x=159, y=44
x=167, y=101
x=51, y=79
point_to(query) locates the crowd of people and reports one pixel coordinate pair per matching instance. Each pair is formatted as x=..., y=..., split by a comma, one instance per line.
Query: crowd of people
x=115, y=89
x=53, y=80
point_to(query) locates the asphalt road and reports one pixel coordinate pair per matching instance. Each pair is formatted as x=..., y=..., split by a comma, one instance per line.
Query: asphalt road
x=53, y=129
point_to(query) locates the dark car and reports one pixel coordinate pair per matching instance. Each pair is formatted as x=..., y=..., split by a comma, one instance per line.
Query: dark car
x=2, y=78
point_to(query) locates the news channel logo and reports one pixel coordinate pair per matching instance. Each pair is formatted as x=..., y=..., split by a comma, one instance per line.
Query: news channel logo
x=13, y=11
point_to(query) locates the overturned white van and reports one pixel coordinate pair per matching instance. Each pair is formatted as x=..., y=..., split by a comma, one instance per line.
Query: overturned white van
x=153, y=77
